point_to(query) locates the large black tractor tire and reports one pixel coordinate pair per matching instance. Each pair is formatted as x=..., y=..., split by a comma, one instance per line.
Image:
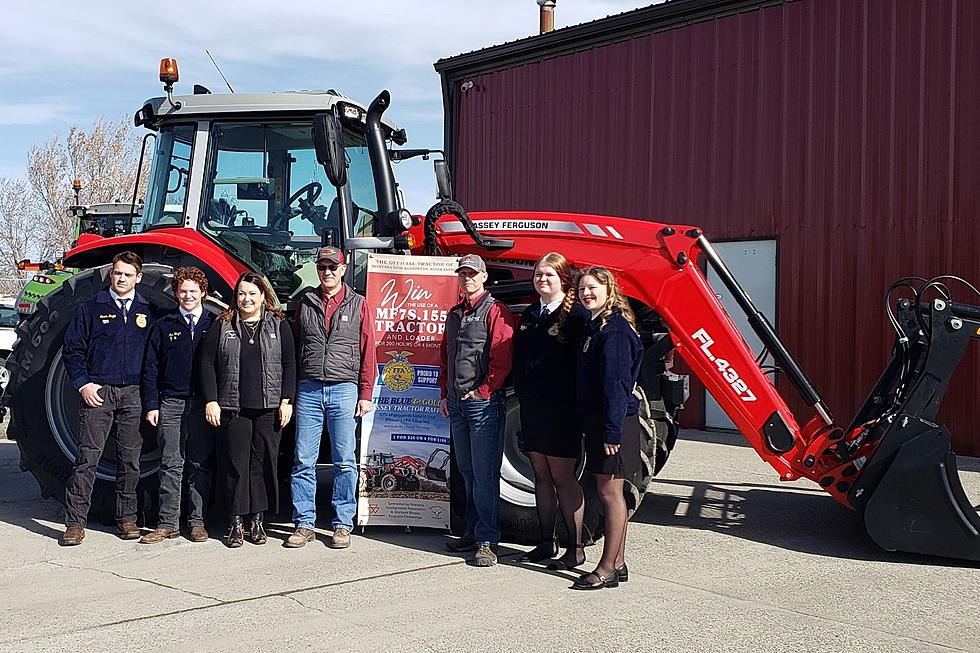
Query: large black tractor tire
x=44, y=406
x=518, y=517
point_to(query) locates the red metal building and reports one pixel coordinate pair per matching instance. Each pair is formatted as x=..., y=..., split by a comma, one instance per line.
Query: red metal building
x=844, y=129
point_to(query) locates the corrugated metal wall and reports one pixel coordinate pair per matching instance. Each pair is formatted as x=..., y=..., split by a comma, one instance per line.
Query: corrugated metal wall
x=847, y=129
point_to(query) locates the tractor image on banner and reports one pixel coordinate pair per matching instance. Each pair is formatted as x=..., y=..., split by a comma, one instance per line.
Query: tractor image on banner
x=404, y=459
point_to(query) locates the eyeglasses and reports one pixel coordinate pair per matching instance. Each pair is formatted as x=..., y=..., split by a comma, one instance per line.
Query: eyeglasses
x=323, y=268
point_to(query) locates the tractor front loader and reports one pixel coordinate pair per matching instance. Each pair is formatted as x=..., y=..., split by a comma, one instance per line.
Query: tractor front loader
x=893, y=463
x=259, y=181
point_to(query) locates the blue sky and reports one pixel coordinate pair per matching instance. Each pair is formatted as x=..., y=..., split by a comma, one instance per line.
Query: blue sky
x=64, y=62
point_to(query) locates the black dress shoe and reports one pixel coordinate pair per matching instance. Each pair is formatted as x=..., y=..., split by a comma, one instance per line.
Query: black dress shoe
x=256, y=530
x=583, y=582
x=543, y=551
x=236, y=533
x=624, y=573
x=574, y=557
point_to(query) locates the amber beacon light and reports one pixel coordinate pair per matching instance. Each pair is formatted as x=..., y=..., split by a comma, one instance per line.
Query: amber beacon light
x=169, y=74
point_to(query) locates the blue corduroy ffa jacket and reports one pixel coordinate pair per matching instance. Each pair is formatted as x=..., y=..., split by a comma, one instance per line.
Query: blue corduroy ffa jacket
x=607, y=368
x=102, y=348
x=170, y=365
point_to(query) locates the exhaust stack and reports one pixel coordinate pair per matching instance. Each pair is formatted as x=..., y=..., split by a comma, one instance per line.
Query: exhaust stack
x=547, y=15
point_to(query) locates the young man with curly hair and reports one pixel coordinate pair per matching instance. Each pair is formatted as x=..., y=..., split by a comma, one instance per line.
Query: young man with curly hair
x=171, y=402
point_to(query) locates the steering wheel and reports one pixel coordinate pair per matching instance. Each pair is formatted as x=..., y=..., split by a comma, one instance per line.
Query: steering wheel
x=312, y=191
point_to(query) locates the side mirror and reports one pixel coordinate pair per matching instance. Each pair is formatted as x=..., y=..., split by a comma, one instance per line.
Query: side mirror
x=328, y=139
x=444, y=182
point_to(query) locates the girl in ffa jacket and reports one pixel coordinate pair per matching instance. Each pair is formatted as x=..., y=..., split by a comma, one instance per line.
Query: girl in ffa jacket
x=607, y=369
x=248, y=379
x=544, y=380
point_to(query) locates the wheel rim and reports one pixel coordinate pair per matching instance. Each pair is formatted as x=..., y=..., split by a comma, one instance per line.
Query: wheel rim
x=61, y=409
x=4, y=379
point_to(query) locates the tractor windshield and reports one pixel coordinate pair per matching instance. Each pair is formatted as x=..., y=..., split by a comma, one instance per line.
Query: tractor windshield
x=268, y=200
x=169, y=176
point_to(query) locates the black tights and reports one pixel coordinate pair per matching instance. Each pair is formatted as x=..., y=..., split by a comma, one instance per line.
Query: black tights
x=555, y=486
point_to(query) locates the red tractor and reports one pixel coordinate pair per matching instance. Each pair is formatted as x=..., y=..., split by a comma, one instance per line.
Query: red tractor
x=237, y=182
x=389, y=474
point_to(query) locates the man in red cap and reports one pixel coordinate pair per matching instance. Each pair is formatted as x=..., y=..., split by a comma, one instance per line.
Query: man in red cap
x=476, y=358
x=337, y=368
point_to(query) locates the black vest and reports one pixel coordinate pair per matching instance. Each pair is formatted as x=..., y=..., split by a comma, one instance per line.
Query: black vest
x=468, y=346
x=229, y=361
x=337, y=356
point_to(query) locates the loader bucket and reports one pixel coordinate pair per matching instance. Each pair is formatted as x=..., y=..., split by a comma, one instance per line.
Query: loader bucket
x=909, y=489
x=919, y=505
x=436, y=474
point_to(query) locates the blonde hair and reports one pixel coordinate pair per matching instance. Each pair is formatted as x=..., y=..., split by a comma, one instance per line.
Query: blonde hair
x=614, y=296
x=568, y=276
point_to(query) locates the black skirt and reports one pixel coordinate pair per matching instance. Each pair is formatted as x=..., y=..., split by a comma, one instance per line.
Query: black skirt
x=551, y=429
x=626, y=461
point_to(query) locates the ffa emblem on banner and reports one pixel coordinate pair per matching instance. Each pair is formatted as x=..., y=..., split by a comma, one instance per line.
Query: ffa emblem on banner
x=398, y=374
x=141, y=320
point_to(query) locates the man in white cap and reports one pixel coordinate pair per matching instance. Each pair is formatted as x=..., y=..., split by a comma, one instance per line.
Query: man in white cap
x=476, y=357
x=337, y=366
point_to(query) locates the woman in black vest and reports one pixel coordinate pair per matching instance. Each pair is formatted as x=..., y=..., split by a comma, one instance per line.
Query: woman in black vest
x=608, y=367
x=544, y=380
x=248, y=379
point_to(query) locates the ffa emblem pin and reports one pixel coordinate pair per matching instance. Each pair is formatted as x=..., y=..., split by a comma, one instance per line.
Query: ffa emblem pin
x=553, y=331
x=585, y=347
x=141, y=320
x=398, y=374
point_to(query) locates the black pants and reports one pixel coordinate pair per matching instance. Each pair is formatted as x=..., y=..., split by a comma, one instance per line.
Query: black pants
x=248, y=445
x=120, y=406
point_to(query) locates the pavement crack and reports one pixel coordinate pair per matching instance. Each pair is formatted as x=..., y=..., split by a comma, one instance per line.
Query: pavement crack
x=138, y=579
x=289, y=594
x=300, y=603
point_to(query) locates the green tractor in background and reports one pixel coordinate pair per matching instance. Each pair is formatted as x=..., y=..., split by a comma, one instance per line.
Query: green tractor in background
x=104, y=219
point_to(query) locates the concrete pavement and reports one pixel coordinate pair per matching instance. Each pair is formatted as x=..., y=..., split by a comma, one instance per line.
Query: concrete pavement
x=722, y=558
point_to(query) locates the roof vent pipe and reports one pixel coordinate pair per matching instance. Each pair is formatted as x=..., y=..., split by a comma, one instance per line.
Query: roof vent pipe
x=547, y=15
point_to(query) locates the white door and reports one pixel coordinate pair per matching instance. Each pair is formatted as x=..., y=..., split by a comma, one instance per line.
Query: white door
x=753, y=263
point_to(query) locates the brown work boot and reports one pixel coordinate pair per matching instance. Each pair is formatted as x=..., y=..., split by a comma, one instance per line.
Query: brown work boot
x=340, y=539
x=73, y=536
x=128, y=530
x=198, y=533
x=159, y=535
x=299, y=538
x=485, y=556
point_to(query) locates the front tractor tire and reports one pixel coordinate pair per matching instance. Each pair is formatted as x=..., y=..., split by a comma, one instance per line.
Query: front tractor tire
x=44, y=405
x=518, y=516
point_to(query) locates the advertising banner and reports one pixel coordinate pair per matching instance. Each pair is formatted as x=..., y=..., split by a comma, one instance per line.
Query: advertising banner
x=404, y=460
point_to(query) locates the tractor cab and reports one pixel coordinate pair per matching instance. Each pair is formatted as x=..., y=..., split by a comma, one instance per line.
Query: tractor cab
x=244, y=171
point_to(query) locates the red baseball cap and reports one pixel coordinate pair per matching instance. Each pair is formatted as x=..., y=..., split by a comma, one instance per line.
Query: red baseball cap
x=330, y=254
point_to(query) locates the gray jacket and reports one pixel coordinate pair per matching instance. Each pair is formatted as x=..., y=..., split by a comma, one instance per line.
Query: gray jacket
x=468, y=346
x=337, y=356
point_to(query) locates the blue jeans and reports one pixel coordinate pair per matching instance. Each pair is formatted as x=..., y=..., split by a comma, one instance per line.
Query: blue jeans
x=335, y=403
x=478, y=442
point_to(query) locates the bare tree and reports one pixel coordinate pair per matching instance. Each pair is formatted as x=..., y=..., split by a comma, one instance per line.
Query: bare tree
x=104, y=159
x=18, y=231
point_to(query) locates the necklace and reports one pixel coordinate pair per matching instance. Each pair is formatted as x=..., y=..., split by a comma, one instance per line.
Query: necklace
x=251, y=330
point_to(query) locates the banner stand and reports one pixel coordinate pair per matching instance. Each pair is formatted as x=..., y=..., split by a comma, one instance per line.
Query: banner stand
x=403, y=462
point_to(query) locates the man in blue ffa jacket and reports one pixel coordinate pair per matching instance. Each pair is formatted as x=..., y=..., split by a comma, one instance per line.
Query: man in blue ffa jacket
x=172, y=402
x=103, y=353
